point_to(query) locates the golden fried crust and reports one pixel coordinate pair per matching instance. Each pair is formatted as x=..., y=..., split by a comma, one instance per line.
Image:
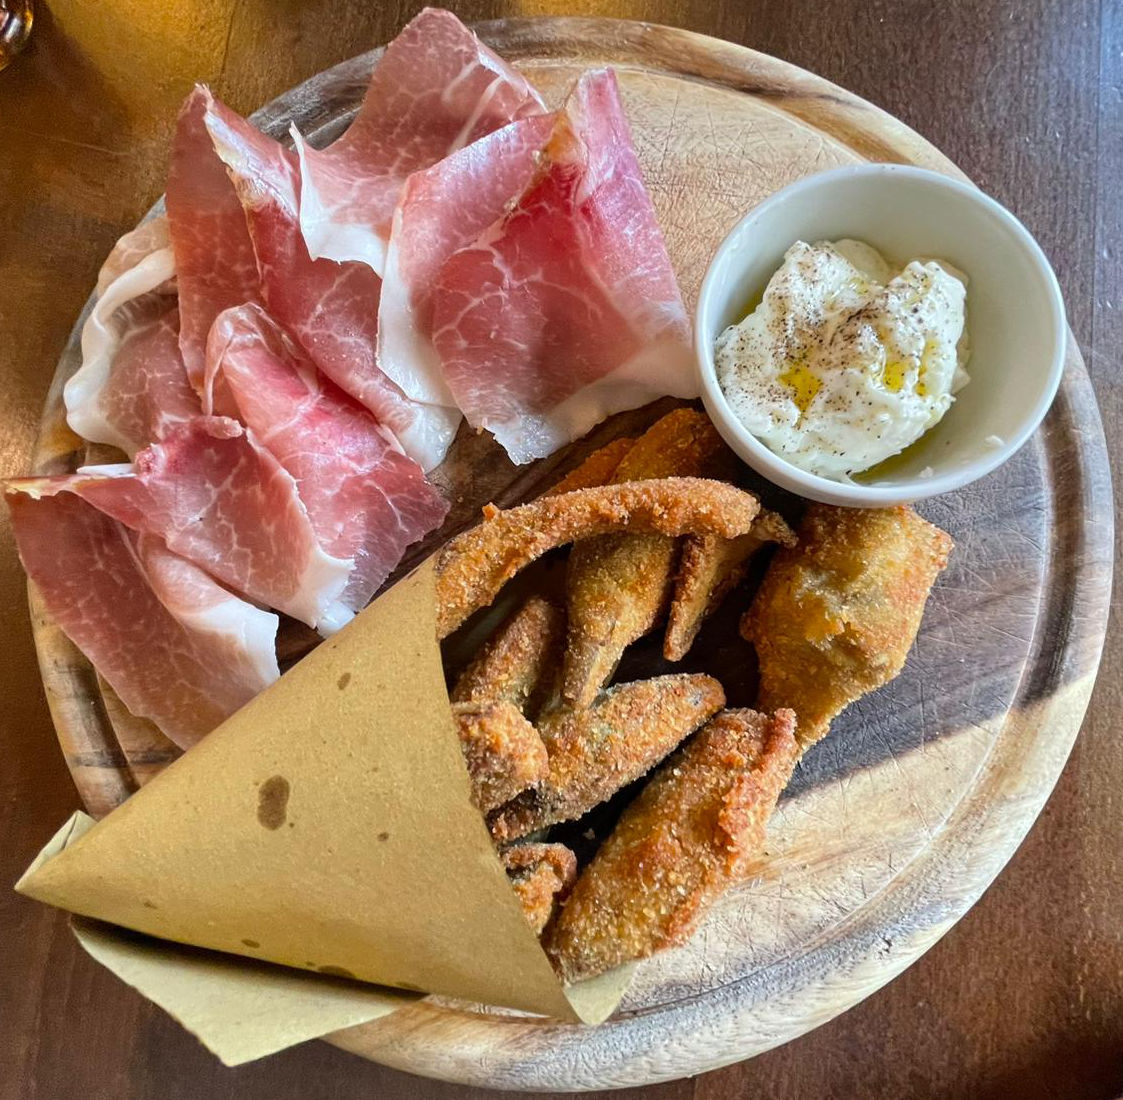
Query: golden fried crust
x=597, y=469
x=836, y=615
x=709, y=568
x=502, y=749
x=594, y=752
x=618, y=586
x=541, y=875
x=695, y=830
x=617, y=589
x=683, y=440
x=472, y=567
x=518, y=662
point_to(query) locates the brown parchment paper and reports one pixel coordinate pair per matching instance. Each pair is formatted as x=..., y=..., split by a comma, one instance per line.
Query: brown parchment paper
x=240, y=1010
x=327, y=826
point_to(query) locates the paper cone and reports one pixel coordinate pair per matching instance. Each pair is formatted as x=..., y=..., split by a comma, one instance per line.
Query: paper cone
x=327, y=826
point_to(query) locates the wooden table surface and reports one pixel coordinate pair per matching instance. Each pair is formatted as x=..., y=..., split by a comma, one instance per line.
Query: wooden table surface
x=1024, y=998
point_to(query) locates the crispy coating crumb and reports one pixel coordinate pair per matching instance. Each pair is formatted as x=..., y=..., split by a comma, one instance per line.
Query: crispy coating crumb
x=594, y=752
x=694, y=831
x=518, y=663
x=618, y=586
x=472, y=567
x=542, y=875
x=502, y=749
x=709, y=569
x=597, y=469
x=836, y=615
x=617, y=589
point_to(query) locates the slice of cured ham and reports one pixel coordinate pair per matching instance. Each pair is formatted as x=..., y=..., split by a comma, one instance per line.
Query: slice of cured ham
x=443, y=209
x=221, y=500
x=214, y=258
x=331, y=309
x=176, y=647
x=366, y=500
x=126, y=349
x=150, y=236
x=566, y=310
x=145, y=392
x=435, y=89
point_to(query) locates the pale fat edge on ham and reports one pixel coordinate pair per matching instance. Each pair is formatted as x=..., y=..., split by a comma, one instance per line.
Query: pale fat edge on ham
x=130, y=273
x=367, y=501
x=221, y=500
x=330, y=308
x=442, y=209
x=177, y=648
x=435, y=89
x=623, y=278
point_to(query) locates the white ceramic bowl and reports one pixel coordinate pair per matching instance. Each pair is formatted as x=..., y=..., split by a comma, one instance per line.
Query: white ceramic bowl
x=1015, y=317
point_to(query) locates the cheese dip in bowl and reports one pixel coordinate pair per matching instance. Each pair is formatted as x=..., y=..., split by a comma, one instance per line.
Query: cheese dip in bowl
x=878, y=334
x=846, y=362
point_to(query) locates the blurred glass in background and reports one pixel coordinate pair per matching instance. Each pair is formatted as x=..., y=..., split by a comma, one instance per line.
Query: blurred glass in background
x=15, y=25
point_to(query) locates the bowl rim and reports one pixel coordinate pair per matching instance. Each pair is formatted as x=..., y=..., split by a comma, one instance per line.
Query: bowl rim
x=854, y=494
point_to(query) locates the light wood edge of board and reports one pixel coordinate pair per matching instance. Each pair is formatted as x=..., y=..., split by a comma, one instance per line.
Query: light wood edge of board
x=805, y=991
x=503, y=1050
x=871, y=132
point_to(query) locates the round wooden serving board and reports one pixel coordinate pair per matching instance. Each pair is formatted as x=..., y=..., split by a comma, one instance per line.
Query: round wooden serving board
x=896, y=823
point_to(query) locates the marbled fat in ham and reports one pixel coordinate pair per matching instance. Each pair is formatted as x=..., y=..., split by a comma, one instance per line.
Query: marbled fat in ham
x=366, y=500
x=566, y=310
x=146, y=392
x=221, y=500
x=177, y=648
x=443, y=209
x=330, y=308
x=215, y=263
x=435, y=89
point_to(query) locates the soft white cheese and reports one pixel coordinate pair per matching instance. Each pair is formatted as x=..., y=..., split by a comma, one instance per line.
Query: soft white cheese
x=846, y=362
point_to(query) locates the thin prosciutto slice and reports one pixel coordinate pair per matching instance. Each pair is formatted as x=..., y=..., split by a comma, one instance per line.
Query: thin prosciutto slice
x=331, y=309
x=366, y=500
x=566, y=310
x=443, y=209
x=177, y=648
x=221, y=500
x=145, y=393
x=436, y=89
x=214, y=257
x=131, y=384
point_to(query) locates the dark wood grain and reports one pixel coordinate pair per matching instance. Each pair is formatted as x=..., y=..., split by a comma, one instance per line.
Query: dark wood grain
x=1025, y=996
